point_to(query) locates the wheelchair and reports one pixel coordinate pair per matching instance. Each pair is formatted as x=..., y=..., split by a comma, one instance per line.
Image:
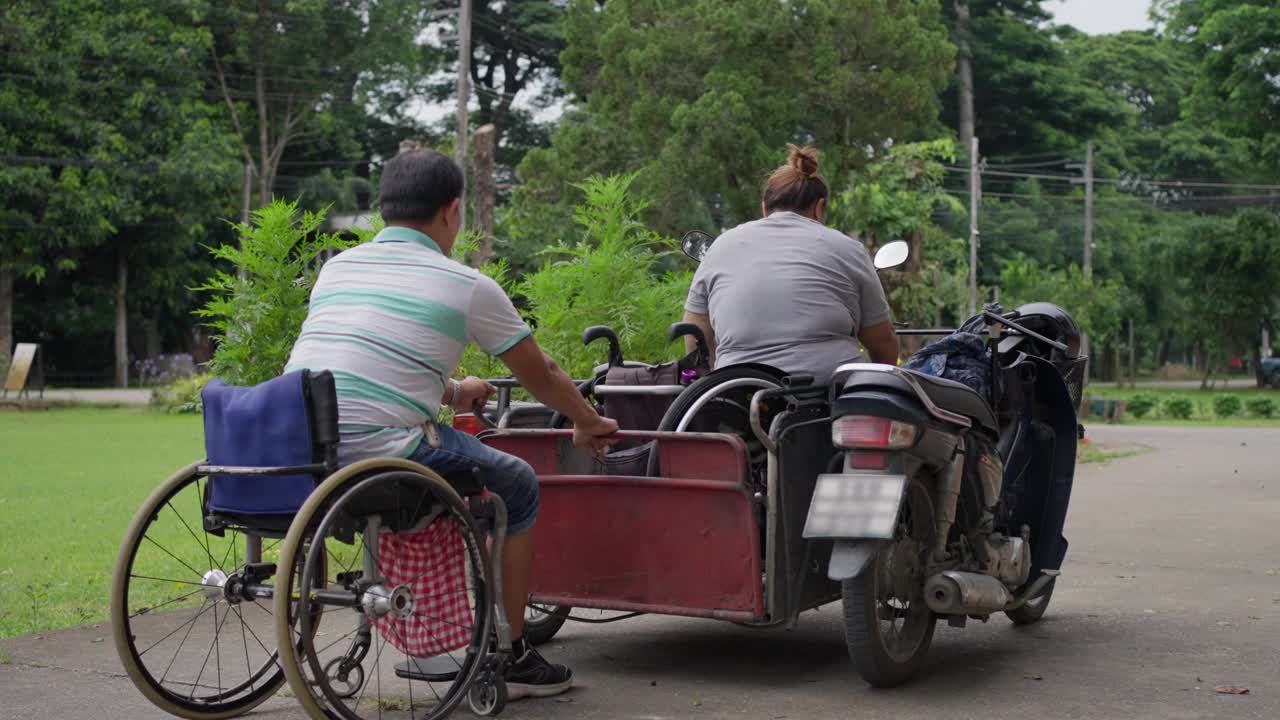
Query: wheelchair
x=372, y=589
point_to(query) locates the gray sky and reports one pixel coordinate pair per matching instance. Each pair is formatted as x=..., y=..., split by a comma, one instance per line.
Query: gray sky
x=1098, y=17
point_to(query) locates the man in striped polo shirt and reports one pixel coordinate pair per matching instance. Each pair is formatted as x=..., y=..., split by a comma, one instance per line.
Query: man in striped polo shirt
x=390, y=319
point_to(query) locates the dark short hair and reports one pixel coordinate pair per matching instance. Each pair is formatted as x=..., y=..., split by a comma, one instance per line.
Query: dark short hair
x=416, y=184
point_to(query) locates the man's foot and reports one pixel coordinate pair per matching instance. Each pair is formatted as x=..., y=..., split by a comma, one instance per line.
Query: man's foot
x=532, y=676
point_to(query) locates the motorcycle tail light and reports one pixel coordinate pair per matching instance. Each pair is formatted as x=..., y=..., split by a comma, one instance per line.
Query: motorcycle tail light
x=467, y=423
x=857, y=432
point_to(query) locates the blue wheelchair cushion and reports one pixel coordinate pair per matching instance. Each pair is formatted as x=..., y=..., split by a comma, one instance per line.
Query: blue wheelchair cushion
x=267, y=425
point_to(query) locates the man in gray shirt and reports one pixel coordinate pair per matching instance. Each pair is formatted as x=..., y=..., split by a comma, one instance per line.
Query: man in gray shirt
x=788, y=291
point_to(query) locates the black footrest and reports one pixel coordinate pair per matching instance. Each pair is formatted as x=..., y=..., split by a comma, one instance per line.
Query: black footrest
x=440, y=668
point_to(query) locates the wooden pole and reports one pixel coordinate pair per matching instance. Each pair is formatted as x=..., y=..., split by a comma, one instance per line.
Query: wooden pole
x=975, y=189
x=486, y=141
x=464, y=95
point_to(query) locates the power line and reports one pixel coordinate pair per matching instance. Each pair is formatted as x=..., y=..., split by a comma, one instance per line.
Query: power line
x=1117, y=181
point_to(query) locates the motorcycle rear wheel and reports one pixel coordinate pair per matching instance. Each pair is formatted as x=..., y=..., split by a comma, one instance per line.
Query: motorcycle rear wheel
x=889, y=590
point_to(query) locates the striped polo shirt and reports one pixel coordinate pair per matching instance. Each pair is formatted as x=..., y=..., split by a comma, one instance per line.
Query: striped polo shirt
x=390, y=319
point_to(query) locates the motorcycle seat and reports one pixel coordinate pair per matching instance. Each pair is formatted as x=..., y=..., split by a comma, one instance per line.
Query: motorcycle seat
x=946, y=394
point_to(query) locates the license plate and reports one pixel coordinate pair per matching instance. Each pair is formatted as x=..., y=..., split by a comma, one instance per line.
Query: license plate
x=855, y=505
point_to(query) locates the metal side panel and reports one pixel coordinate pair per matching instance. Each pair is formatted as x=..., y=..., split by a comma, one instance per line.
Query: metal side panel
x=685, y=542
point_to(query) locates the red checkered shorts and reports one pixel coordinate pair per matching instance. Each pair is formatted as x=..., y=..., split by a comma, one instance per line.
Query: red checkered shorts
x=432, y=562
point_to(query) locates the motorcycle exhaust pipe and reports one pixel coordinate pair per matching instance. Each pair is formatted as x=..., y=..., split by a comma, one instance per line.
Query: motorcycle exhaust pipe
x=964, y=593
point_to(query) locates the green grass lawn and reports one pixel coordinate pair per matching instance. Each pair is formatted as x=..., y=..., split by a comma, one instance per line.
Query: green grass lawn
x=70, y=481
x=1203, y=412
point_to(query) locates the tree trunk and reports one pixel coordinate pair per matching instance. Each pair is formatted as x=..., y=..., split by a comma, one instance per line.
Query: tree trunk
x=265, y=172
x=964, y=69
x=8, y=270
x=486, y=141
x=122, y=317
x=1133, y=358
x=1256, y=358
x=155, y=344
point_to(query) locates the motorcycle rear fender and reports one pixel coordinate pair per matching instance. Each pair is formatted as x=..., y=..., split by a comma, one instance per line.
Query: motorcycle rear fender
x=849, y=558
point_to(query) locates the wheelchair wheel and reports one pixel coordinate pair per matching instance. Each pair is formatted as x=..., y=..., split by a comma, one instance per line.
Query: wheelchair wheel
x=720, y=403
x=193, y=645
x=542, y=622
x=422, y=620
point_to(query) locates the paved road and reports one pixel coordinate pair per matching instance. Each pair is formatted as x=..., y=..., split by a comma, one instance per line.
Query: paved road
x=1166, y=593
x=95, y=396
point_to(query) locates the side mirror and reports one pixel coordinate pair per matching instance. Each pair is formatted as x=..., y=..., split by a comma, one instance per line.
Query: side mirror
x=892, y=254
x=695, y=244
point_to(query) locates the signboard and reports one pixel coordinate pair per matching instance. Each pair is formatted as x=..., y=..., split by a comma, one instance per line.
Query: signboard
x=26, y=372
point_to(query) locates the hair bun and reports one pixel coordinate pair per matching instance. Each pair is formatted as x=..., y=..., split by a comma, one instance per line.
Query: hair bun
x=803, y=159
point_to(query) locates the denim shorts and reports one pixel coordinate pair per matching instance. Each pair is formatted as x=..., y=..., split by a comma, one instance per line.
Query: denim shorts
x=506, y=476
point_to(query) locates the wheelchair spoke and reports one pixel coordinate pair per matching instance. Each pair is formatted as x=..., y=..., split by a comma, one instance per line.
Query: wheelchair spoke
x=217, y=630
x=204, y=608
x=180, y=598
x=248, y=666
x=321, y=651
x=165, y=550
x=170, y=580
x=449, y=654
x=199, y=511
x=190, y=625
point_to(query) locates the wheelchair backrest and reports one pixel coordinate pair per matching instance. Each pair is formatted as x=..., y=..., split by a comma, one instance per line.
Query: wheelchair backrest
x=287, y=422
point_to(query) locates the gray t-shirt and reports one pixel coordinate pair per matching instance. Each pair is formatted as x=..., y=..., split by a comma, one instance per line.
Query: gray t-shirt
x=789, y=292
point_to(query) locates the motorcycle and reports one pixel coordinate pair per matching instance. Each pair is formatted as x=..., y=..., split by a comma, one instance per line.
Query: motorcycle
x=949, y=498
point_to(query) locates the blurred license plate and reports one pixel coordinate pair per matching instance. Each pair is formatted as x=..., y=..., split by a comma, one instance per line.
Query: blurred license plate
x=855, y=505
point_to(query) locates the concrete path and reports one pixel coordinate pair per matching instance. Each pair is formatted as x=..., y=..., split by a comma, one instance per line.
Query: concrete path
x=1170, y=588
x=91, y=396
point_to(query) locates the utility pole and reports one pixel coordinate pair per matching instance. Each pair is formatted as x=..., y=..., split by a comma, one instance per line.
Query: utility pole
x=464, y=95
x=486, y=193
x=1088, y=235
x=975, y=189
x=1088, y=213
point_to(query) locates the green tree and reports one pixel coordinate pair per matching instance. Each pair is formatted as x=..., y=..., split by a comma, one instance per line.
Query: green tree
x=1026, y=98
x=699, y=98
x=895, y=198
x=1234, y=42
x=1231, y=275
x=292, y=72
x=120, y=157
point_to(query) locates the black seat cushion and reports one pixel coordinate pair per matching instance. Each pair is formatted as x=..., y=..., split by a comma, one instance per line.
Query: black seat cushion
x=946, y=394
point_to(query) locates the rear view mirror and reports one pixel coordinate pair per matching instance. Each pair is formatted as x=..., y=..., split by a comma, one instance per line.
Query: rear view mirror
x=892, y=255
x=695, y=244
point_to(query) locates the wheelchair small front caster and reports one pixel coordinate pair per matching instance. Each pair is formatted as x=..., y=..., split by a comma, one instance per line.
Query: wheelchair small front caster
x=488, y=694
x=339, y=671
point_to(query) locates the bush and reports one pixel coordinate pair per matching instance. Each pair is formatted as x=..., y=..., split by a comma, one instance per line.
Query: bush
x=609, y=276
x=182, y=396
x=1179, y=408
x=257, y=309
x=1140, y=405
x=1225, y=406
x=1261, y=407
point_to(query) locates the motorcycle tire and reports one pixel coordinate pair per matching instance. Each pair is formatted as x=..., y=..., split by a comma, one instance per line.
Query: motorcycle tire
x=879, y=664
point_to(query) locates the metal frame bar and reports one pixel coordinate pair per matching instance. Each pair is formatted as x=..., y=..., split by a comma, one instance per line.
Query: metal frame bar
x=312, y=469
